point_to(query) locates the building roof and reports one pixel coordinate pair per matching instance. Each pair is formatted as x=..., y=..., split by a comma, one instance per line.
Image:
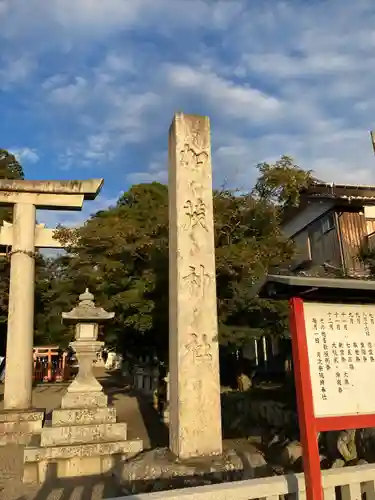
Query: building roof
x=282, y=287
x=343, y=195
x=347, y=192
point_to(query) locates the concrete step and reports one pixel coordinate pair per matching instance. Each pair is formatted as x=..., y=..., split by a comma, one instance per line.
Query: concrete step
x=75, y=434
x=76, y=460
x=20, y=426
x=27, y=426
x=84, y=416
x=84, y=400
x=21, y=415
x=19, y=438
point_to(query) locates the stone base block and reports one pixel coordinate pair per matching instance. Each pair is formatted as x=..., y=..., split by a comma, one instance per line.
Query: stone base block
x=159, y=470
x=28, y=426
x=22, y=416
x=75, y=434
x=84, y=416
x=84, y=400
x=78, y=460
x=19, y=438
x=20, y=427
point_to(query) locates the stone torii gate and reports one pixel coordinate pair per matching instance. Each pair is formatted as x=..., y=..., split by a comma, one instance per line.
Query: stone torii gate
x=24, y=236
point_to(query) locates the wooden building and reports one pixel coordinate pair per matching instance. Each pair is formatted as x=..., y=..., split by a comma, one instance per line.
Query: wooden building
x=330, y=227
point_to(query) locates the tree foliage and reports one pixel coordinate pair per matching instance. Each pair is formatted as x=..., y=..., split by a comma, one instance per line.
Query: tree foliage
x=10, y=168
x=121, y=254
x=248, y=242
x=281, y=182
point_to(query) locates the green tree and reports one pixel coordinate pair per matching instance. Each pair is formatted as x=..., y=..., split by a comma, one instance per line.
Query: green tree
x=122, y=255
x=53, y=295
x=10, y=167
x=248, y=243
x=281, y=182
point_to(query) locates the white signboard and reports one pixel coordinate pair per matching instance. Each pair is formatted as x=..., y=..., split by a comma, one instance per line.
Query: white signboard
x=341, y=349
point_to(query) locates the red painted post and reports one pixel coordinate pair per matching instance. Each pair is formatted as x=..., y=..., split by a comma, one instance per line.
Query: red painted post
x=306, y=417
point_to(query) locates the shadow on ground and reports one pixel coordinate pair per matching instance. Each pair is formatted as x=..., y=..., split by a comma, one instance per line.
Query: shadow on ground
x=157, y=432
x=88, y=488
x=144, y=423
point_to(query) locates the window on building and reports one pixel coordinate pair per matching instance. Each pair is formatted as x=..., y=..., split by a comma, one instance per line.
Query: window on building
x=328, y=223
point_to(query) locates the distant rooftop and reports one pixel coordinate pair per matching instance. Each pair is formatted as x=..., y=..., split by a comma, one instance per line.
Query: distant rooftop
x=338, y=194
x=339, y=191
x=281, y=287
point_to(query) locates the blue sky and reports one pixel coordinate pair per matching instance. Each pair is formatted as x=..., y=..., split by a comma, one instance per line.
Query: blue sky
x=88, y=88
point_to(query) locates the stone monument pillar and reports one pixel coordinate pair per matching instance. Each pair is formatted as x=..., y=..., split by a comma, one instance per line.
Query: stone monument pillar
x=195, y=411
x=84, y=438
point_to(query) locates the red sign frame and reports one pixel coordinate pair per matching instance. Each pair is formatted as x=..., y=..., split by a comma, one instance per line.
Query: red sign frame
x=309, y=424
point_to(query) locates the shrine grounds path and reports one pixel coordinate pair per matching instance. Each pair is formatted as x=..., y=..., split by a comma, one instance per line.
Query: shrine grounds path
x=131, y=408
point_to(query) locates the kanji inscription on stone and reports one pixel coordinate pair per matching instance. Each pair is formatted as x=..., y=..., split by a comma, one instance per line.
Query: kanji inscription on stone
x=341, y=345
x=196, y=214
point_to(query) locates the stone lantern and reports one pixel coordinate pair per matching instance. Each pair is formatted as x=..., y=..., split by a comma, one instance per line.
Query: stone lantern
x=84, y=439
x=85, y=390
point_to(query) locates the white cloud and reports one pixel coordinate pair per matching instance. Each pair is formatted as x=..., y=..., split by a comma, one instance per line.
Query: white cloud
x=72, y=94
x=109, y=113
x=87, y=18
x=274, y=77
x=234, y=100
x=157, y=171
x=14, y=71
x=283, y=66
x=26, y=155
x=66, y=22
x=54, y=81
x=117, y=62
x=332, y=157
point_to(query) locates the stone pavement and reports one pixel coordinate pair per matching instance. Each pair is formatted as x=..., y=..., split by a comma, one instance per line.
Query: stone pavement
x=142, y=423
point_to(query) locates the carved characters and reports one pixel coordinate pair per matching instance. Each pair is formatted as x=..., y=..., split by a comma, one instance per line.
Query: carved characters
x=195, y=133
x=196, y=213
x=191, y=159
x=201, y=350
x=197, y=282
x=195, y=188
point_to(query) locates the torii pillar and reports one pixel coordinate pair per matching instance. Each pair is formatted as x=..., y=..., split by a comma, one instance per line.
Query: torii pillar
x=24, y=236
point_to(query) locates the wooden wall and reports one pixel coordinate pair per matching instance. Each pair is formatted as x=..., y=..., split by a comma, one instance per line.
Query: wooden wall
x=325, y=245
x=340, y=245
x=354, y=231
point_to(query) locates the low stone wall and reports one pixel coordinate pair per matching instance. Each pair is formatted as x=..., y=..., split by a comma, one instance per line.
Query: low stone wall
x=244, y=411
